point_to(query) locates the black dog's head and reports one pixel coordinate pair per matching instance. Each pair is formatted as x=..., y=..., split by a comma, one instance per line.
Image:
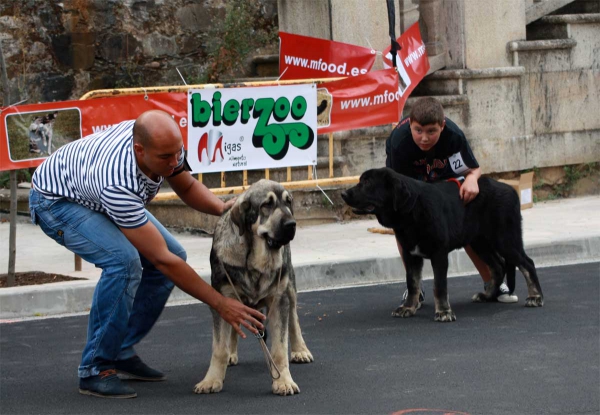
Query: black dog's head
x=381, y=190
x=265, y=210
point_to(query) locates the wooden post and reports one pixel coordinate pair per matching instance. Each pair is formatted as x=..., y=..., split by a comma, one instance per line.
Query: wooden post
x=12, y=236
x=77, y=263
x=330, y=155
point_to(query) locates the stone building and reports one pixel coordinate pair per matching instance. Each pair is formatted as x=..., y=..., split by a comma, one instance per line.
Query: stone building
x=521, y=77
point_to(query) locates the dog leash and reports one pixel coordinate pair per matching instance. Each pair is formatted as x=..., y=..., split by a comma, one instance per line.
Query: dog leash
x=261, y=334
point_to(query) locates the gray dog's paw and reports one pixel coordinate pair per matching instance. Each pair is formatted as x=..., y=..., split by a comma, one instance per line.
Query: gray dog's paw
x=209, y=386
x=404, y=312
x=285, y=386
x=445, y=316
x=303, y=356
x=233, y=359
x=535, y=301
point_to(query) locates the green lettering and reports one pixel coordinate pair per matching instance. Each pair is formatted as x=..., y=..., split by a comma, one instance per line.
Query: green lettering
x=230, y=112
x=247, y=105
x=216, y=108
x=299, y=107
x=200, y=111
x=282, y=109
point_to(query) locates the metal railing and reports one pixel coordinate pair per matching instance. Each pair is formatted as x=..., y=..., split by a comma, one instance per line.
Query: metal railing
x=311, y=181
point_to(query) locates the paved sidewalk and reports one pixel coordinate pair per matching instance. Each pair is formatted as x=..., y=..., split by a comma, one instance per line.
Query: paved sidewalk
x=326, y=256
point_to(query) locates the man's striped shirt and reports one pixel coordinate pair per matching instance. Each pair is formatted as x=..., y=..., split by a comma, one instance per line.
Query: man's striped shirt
x=100, y=172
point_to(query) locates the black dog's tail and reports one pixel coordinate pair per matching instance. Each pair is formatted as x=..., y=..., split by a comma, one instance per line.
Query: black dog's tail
x=511, y=271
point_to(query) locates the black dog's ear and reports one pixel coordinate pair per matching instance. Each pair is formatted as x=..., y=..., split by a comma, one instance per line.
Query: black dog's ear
x=404, y=198
x=238, y=215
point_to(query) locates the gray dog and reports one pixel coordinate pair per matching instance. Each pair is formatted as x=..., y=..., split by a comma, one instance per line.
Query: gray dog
x=250, y=245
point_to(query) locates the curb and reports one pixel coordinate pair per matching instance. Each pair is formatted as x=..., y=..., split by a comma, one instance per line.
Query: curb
x=76, y=296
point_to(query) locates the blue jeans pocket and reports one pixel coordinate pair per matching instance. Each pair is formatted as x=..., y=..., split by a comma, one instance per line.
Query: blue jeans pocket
x=57, y=234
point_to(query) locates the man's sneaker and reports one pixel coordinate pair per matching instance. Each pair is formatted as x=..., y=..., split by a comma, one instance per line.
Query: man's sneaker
x=505, y=296
x=106, y=384
x=421, y=298
x=134, y=368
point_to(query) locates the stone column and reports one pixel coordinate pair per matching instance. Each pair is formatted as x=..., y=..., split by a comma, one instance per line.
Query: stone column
x=307, y=18
x=489, y=25
x=408, y=13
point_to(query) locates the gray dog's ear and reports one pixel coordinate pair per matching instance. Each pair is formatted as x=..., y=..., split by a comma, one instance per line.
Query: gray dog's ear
x=238, y=215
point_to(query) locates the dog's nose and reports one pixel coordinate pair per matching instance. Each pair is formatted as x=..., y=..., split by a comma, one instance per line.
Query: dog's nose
x=344, y=195
x=290, y=226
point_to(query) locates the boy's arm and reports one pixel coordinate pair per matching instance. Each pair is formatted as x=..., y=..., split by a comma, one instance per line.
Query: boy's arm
x=470, y=189
x=465, y=163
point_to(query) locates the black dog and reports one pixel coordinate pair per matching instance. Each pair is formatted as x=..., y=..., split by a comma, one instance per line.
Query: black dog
x=430, y=221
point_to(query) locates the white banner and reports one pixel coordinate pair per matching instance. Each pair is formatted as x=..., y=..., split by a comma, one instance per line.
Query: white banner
x=252, y=128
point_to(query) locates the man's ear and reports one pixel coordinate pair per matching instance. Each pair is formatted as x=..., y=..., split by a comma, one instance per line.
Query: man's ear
x=238, y=215
x=138, y=149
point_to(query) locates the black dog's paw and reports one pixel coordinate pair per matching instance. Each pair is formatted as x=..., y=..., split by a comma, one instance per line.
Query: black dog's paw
x=480, y=298
x=404, y=312
x=534, y=301
x=445, y=316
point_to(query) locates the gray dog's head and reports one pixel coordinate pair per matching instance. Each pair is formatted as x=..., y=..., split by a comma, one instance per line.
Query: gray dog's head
x=265, y=210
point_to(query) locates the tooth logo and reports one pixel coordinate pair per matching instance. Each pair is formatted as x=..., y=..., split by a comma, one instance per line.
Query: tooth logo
x=210, y=148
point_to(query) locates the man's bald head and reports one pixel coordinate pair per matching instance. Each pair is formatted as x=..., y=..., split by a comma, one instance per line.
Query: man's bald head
x=154, y=125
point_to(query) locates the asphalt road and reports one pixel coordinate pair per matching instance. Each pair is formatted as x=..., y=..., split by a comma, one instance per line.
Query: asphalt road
x=495, y=359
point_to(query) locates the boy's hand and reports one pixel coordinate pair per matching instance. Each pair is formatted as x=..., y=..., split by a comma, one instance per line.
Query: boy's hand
x=469, y=189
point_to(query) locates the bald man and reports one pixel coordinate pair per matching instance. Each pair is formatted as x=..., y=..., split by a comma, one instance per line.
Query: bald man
x=90, y=197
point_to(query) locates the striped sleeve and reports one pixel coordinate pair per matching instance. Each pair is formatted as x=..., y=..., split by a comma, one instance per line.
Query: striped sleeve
x=124, y=207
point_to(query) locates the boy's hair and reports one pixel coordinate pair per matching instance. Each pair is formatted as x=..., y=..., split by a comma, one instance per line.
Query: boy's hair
x=427, y=111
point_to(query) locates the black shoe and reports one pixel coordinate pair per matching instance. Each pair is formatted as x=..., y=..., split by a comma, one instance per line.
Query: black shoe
x=106, y=384
x=134, y=368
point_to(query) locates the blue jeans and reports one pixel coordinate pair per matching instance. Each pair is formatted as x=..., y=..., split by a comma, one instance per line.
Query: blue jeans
x=130, y=294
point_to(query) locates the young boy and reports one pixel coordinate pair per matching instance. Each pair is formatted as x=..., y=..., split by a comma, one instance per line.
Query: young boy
x=428, y=146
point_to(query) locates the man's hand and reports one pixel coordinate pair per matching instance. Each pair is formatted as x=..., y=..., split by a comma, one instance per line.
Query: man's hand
x=227, y=205
x=238, y=315
x=150, y=243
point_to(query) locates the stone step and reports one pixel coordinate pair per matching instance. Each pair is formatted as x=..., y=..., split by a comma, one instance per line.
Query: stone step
x=539, y=8
x=265, y=65
x=559, y=26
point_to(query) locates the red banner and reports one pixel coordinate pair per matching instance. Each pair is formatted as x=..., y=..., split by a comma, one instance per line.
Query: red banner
x=411, y=60
x=30, y=133
x=358, y=102
x=304, y=57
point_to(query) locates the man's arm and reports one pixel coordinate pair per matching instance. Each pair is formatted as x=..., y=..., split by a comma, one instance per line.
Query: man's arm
x=196, y=195
x=150, y=243
x=470, y=188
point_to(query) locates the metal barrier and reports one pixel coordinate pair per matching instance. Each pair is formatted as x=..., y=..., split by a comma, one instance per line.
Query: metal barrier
x=224, y=190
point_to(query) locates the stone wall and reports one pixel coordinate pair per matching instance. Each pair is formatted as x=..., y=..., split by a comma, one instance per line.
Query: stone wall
x=60, y=50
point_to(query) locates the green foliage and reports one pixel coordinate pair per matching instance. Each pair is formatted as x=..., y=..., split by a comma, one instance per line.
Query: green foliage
x=232, y=39
x=573, y=174
x=22, y=176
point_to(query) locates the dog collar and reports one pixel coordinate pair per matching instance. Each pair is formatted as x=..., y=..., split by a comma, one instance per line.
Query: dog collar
x=452, y=179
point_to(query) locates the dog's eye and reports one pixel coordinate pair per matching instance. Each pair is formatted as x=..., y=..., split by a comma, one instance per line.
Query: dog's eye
x=267, y=204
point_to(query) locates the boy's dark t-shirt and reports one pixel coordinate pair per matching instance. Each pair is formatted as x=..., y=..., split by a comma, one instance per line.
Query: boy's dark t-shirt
x=451, y=157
